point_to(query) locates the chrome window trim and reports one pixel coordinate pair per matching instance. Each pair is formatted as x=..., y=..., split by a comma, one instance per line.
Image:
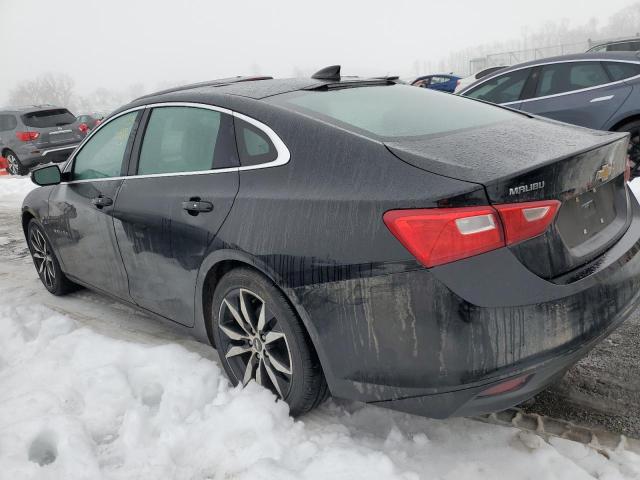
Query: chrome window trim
x=283, y=152
x=635, y=77
x=282, y=158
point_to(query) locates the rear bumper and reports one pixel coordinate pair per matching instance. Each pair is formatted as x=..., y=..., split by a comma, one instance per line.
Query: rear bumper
x=469, y=401
x=429, y=341
x=34, y=156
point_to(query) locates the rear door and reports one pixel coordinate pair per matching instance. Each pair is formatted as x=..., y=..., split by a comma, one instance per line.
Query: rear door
x=580, y=93
x=80, y=221
x=183, y=181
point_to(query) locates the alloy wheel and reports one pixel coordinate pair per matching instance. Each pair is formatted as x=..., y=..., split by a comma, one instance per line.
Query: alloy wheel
x=43, y=258
x=13, y=166
x=253, y=344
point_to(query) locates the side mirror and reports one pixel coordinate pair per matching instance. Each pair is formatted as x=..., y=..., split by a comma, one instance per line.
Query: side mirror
x=49, y=175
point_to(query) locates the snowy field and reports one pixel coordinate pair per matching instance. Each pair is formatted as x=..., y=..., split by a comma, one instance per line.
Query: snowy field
x=90, y=389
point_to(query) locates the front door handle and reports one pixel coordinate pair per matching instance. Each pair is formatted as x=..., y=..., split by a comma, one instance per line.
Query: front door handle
x=102, y=201
x=602, y=99
x=197, y=206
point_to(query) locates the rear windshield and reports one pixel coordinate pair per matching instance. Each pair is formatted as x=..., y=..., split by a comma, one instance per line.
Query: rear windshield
x=394, y=111
x=48, y=118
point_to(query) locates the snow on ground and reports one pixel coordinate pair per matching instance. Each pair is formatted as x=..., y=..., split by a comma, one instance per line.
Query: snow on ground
x=91, y=389
x=13, y=190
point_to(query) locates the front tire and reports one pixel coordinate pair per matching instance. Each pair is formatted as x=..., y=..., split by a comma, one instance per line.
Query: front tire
x=46, y=262
x=634, y=145
x=14, y=166
x=260, y=337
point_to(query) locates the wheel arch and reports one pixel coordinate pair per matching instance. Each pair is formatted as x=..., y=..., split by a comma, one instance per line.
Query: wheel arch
x=221, y=262
x=627, y=119
x=27, y=216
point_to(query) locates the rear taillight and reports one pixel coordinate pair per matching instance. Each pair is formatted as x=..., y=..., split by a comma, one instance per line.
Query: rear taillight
x=526, y=220
x=441, y=235
x=83, y=127
x=27, y=136
x=627, y=170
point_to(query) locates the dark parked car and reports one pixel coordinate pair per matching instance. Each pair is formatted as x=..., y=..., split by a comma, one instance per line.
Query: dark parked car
x=89, y=121
x=443, y=82
x=389, y=244
x=595, y=90
x=36, y=134
x=620, y=45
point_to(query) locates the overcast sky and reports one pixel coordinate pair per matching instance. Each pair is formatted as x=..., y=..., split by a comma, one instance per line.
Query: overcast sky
x=116, y=43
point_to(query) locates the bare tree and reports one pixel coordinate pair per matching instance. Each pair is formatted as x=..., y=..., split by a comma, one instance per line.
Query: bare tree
x=56, y=89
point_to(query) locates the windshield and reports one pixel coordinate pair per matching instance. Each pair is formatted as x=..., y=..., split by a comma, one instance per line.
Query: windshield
x=48, y=118
x=394, y=111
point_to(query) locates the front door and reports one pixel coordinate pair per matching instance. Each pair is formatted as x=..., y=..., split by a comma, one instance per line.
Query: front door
x=80, y=222
x=182, y=185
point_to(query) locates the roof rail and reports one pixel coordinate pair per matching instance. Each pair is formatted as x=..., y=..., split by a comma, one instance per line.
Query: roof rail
x=209, y=83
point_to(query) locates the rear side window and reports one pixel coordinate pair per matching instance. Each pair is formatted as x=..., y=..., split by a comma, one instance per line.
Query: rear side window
x=102, y=155
x=502, y=89
x=48, y=118
x=394, y=111
x=8, y=122
x=624, y=47
x=621, y=70
x=566, y=77
x=186, y=139
x=255, y=146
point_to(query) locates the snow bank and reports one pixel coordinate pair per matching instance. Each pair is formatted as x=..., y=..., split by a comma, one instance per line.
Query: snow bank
x=105, y=403
x=635, y=187
x=14, y=189
x=75, y=404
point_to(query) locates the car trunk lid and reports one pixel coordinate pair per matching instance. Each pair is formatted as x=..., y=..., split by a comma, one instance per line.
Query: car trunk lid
x=530, y=160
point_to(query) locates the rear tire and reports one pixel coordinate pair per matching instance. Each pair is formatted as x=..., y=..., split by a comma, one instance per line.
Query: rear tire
x=264, y=340
x=14, y=166
x=634, y=145
x=46, y=263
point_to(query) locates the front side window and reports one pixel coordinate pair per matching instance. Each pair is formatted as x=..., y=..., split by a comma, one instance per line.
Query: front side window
x=503, y=89
x=621, y=70
x=180, y=139
x=56, y=117
x=566, y=77
x=103, y=154
x=7, y=123
x=254, y=146
x=390, y=112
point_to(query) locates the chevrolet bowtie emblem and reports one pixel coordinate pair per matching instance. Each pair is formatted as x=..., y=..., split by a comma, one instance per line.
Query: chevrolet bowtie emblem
x=604, y=173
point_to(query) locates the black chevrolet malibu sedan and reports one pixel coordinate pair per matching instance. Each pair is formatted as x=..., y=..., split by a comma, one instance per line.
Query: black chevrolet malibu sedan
x=384, y=243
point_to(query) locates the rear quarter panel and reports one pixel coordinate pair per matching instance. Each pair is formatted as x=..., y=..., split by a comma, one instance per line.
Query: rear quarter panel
x=318, y=219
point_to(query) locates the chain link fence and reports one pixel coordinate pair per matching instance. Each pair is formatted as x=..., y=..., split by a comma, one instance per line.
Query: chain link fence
x=518, y=56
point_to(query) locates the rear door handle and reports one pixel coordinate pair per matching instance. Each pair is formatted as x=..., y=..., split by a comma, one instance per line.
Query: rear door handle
x=197, y=206
x=102, y=201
